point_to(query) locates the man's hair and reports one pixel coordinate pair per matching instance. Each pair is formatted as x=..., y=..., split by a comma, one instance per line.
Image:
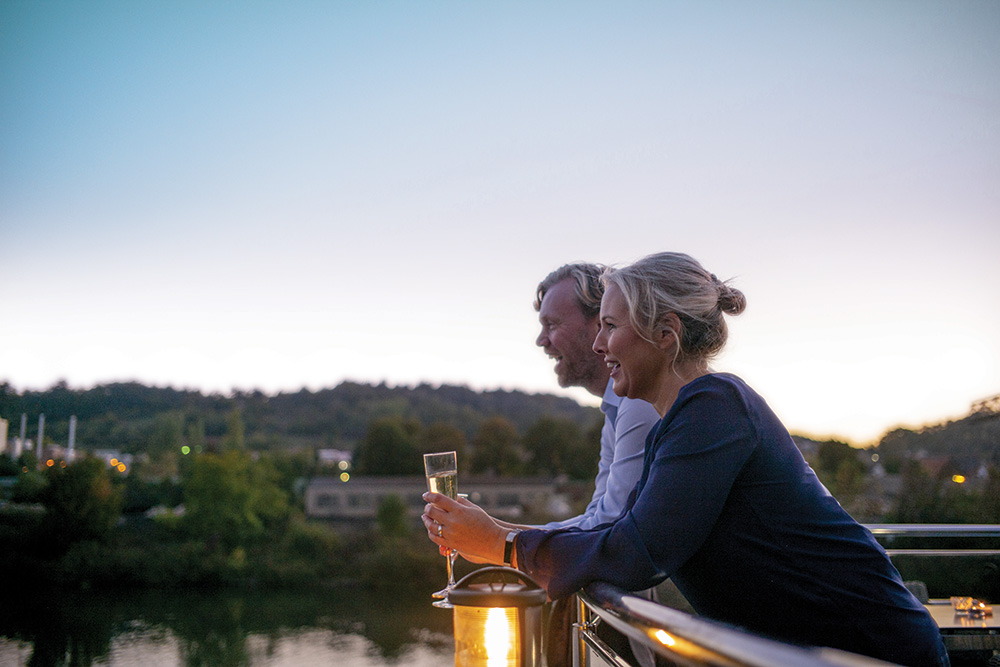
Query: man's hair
x=587, y=282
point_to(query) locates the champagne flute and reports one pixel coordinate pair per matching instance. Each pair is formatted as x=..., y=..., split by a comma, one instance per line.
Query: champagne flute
x=442, y=477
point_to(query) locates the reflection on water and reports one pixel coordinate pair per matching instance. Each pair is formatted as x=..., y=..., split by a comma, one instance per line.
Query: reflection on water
x=343, y=628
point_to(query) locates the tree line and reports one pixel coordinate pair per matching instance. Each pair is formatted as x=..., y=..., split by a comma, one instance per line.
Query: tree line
x=131, y=417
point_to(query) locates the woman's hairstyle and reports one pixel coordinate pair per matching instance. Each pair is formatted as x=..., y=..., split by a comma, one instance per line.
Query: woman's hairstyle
x=587, y=282
x=672, y=282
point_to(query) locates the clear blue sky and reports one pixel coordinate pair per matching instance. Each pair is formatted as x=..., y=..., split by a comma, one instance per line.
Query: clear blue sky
x=271, y=195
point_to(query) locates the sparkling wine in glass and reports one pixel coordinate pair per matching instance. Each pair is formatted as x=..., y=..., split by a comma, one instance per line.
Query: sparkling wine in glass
x=442, y=477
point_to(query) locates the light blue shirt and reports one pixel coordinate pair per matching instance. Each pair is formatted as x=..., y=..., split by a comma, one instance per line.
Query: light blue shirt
x=627, y=422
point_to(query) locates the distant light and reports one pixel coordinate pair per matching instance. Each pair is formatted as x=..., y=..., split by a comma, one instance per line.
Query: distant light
x=50, y=463
x=343, y=465
x=121, y=467
x=958, y=479
x=114, y=462
x=185, y=450
x=664, y=638
x=62, y=464
x=874, y=458
x=344, y=476
x=24, y=469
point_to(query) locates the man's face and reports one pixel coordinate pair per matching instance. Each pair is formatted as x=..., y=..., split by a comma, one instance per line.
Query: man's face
x=568, y=336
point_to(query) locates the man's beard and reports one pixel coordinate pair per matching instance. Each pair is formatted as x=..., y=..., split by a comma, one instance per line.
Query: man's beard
x=577, y=374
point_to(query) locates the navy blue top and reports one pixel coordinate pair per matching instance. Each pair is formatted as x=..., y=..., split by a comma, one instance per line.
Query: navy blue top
x=728, y=508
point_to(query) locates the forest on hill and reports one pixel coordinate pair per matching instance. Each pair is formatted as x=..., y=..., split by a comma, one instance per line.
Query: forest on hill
x=129, y=416
x=972, y=438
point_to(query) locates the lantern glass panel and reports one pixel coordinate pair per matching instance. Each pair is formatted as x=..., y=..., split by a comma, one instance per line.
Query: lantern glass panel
x=488, y=636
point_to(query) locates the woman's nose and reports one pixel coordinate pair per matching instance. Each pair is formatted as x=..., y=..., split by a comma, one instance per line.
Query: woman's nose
x=598, y=345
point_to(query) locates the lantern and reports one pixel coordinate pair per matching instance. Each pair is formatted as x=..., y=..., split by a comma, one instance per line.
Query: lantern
x=498, y=619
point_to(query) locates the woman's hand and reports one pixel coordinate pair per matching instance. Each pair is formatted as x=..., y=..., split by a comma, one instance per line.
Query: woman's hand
x=463, y=526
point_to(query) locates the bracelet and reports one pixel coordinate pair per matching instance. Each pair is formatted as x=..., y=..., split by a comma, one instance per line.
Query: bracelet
x=508, y=546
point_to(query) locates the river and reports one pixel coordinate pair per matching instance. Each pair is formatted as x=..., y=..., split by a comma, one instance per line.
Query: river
x=341, y=628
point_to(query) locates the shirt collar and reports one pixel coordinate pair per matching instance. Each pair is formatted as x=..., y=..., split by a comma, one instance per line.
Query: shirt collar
x=610, y=398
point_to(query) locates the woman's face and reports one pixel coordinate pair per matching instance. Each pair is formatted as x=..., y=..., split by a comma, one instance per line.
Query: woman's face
x=636, y=364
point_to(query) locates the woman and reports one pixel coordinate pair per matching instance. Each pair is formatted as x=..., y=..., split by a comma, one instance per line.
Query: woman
x=726, y=506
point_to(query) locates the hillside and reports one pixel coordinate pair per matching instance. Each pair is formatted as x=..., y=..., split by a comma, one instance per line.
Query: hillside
x=972, y=439
x=126, y=415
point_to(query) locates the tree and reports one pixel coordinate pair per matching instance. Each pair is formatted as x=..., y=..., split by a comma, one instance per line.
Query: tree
x=832, y=453
x=235, y=430
x=582, y=463
x=195, y=435
x=918, y=496
x=391, y=517
x=496, y=448
x=442, y=437
x=232, y=500
x=989, y=506
x=550, y=444
x=840, y=469
x=167, y=433
x=81, y=502
x=8, y=466
x=388, y=449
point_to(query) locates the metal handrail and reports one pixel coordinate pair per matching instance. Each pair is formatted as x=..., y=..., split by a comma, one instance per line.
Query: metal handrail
x=690, y=640
x=936, y=530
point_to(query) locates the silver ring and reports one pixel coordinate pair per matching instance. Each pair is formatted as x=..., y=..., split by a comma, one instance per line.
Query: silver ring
x=440, y=531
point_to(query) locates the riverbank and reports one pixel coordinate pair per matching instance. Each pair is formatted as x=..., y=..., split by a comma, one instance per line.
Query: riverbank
x=144, y=553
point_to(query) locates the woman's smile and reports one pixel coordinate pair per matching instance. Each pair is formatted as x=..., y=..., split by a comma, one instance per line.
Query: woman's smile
x=633, y=361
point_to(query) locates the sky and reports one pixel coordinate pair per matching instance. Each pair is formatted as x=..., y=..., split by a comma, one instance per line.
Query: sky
x=261, y=195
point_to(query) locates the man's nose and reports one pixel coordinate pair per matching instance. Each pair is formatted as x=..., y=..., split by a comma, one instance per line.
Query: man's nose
x=543, y=339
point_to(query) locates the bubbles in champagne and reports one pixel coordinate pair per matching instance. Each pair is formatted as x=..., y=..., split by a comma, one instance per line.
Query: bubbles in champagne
x=445, y=483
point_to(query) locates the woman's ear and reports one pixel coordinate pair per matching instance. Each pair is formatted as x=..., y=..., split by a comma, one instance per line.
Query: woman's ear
x=669, y=331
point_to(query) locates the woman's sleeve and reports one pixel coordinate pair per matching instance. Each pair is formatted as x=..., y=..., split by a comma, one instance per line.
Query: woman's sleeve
x=697, y=453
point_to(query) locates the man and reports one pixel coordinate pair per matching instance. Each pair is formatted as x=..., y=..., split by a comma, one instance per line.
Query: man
x=568, y=302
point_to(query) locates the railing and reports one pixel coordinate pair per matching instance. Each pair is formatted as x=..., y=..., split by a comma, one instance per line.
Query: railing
x=685, y=639
x=688, y=640
x=891, y=530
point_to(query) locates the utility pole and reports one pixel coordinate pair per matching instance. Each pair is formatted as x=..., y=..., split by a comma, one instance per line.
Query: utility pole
x=40, y=449
x=72, y=439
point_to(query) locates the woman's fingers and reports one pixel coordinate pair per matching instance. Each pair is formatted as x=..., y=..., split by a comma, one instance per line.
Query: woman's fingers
x=432, y=530
x=444, y=502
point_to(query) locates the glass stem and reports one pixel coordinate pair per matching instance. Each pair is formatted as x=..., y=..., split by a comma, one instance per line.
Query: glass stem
x=451, y=569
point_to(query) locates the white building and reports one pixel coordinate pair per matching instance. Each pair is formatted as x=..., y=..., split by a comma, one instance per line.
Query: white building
x=358, y=498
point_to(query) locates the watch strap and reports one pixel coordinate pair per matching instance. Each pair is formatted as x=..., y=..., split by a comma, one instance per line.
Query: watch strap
x=508, y=546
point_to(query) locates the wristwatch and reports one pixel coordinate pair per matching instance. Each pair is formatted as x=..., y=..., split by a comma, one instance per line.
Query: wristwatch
x=508, y=546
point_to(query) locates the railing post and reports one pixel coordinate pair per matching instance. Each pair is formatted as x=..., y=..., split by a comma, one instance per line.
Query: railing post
x=580, y=619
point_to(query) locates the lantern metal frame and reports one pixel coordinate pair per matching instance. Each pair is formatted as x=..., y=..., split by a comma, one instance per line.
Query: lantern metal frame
x=492, y=588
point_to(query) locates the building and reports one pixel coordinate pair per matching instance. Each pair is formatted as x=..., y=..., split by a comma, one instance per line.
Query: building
x=358, y=498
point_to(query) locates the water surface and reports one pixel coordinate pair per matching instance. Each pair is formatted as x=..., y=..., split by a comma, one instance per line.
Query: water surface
x=342, y=628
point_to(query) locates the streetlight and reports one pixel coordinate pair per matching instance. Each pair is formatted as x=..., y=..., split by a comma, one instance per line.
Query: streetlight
x=498, y=623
